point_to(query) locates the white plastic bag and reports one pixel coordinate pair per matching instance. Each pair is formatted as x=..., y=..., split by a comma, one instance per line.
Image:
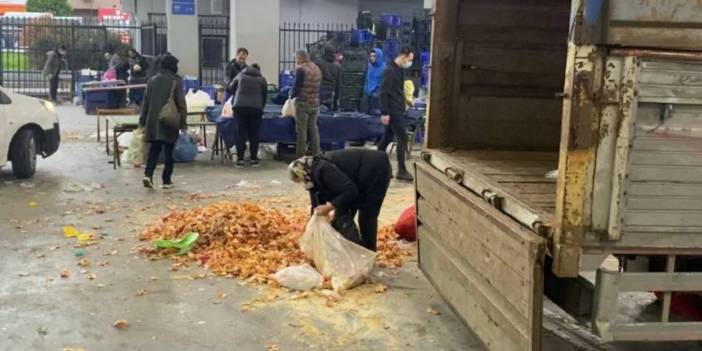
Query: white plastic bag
x=227, y=109
x=197, y=101
x=345, y=262
x=136, y=148
x=301, y=277
x=289, y=108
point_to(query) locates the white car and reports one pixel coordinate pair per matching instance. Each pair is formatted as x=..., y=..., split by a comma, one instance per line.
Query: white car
x=28, y=127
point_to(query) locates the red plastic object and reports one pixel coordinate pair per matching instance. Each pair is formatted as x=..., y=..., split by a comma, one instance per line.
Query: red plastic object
x=687, y=305
x=405, y=226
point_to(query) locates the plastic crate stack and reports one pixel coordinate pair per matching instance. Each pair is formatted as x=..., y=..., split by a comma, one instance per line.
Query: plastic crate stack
x=353, y=76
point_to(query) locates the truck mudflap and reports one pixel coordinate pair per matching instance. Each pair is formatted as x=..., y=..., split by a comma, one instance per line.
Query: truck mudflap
x=487, y=266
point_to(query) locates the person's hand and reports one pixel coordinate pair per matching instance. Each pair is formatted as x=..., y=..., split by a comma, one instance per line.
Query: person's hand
x=137, y=68
x=385, y=119
x=324, y=210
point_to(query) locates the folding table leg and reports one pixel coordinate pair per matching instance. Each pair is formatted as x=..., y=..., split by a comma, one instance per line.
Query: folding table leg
x=107, y=136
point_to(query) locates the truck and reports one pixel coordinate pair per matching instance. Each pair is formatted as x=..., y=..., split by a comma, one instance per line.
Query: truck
x=559, y=134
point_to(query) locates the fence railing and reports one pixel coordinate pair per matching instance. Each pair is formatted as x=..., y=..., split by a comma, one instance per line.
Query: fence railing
x=26, y=41
x=295, y=36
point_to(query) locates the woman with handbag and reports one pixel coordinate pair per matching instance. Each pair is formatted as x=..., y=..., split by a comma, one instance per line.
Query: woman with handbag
x=163, y=115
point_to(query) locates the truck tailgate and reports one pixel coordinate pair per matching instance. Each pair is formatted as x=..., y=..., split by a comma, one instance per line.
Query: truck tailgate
x=485, y=264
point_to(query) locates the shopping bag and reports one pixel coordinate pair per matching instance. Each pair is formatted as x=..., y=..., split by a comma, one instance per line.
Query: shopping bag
x=228, y=110
x=300, y=277
x=136, y=148
x=110, y=74
x=289, y=108
x=169, y=115
x=185, y=149
x=346, y=263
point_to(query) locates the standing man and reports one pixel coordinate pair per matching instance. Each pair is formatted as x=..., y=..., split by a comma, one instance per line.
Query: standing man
x=234, y=67
x=374, y=75
x=331, y=75
x=392, y=107
x=52, y=67
x=308, y=79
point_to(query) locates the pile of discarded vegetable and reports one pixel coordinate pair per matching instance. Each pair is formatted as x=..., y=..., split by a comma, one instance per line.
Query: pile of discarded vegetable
x=243, y=240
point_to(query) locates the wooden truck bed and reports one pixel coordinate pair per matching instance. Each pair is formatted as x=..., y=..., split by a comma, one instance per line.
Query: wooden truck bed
x=518, y=176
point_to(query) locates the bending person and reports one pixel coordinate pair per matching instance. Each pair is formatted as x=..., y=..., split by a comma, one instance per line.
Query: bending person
x=347, y=182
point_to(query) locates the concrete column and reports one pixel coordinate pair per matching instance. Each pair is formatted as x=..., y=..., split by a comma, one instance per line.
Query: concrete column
x=254, y=25
x=183, y=35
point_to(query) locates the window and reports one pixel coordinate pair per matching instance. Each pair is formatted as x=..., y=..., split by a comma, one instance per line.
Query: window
x=4, y=99
x=216, y=7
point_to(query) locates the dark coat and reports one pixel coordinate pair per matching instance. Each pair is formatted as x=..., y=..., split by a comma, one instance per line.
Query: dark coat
x=331, y=77
x=346, y=178
x=158, y=91
x=142, y=74
x=250, y=89
x=392, y=91
x=52, y=66
x=233, y=69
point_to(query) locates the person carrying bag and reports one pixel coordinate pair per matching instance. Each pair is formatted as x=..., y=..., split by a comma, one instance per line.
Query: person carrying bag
x=163, y=115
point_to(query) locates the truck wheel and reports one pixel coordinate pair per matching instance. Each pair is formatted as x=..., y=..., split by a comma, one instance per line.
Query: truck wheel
x=23, y=154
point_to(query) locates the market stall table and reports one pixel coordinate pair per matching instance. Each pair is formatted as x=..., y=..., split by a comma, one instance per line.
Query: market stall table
x=125, y=124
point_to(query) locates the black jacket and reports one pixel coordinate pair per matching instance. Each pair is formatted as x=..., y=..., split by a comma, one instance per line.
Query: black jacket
x=345, y=178
x=141, y=75
x=233, y=69
x=392, y=92
x=331, y=76
x=250, y=89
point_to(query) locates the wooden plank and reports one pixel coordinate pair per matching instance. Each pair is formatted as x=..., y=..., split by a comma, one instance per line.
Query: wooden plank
x=459, y=289
x=676, y=331
x=670, y=142
x=680, y=174
x=665, y=203
x=654, y=242
x=663, y=158
x=659, y=218
x=664, y=189
x=670, y=91
x=447, y=197
x=443, y=48
x=498, y=275
x=496, y=155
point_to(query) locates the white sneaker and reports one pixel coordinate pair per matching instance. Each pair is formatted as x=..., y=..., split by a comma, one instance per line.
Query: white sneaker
x=167, y=186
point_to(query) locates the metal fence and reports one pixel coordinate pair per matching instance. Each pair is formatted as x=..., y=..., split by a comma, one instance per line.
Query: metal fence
x=214, y=48
x=214, y=44
x=295, y=36
x=25, y=42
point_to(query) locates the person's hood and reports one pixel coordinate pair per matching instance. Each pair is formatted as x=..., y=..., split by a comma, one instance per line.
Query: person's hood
x=250, y=71
x=379, y=58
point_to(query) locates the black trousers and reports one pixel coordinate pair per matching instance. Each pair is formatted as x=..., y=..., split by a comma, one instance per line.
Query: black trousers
x=396, y=131
x=368, y=210
x=248, y=128
x=53, y=87
x=152, y=161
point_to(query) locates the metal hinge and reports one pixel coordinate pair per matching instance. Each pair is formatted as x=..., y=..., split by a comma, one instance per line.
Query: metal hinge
x=456, y=174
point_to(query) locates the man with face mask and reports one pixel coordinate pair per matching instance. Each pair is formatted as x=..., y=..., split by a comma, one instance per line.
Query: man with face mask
x=51, y=69
x=392, y=106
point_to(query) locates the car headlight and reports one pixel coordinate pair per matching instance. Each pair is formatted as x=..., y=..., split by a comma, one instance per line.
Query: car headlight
x=48, y=105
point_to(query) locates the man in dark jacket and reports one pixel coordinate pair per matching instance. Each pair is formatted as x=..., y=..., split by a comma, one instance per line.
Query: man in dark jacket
x=234, y=67
x=250, y=95
x=392, y=104
x=162, y=87
x=51, y=70
x=346, y=182
x=138, y=68
x=305, y=91
x=331, y=76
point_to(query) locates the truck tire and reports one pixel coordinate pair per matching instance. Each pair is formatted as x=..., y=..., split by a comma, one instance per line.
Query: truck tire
x=23, y=154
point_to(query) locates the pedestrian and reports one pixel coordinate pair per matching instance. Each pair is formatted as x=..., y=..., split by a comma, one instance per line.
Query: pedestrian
x=52, y=68
x=234, y=67
x=250, y=94
x=138, y=69
x=165, y=85
x=121, y=67
x=374, y=75
x=331, y=76
x=305, y=91
x=393, y=107
x=347, y=182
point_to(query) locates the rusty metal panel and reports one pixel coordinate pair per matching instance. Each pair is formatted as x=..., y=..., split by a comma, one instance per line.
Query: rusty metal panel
x=665, y=24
